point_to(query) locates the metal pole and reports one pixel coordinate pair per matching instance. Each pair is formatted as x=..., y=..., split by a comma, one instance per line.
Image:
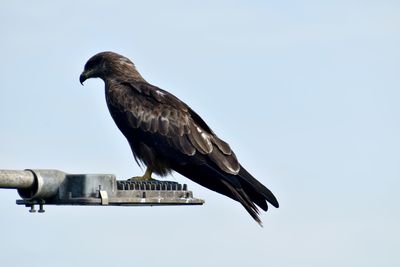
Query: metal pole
x=16, y=179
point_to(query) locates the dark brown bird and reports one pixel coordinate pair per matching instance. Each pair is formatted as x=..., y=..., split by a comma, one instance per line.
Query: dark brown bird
x=166, y=134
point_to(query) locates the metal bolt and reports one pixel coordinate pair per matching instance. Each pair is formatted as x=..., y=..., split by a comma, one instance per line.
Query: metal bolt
x=41, y=210
x=32, y=210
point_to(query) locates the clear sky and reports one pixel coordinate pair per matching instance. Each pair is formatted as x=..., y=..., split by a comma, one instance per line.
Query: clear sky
x=306, y=92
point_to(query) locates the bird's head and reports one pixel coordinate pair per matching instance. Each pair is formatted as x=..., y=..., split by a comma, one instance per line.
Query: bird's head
x=105, y=64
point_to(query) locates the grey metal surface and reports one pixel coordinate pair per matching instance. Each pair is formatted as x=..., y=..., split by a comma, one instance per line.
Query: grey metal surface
x=16, y=179
x=53, y=187
x=47, y=183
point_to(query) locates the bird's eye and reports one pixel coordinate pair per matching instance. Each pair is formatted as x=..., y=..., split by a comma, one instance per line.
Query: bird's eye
x=91, y=64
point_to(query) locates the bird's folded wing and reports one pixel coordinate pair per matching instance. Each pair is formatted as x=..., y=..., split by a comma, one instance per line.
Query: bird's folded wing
x=155, y=111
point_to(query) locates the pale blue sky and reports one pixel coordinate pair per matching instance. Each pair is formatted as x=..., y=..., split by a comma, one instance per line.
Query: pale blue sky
x=306, y=92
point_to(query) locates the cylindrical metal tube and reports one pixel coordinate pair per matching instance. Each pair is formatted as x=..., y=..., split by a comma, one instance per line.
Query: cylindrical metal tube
x=46, y=185
x=16, y=179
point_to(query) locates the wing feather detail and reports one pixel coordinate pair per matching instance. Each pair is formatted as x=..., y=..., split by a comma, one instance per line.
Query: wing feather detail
x=133, y=120
x=186, y=146
x=222, y=145
x=163, y=123
x=227, y=163
x=200, y=139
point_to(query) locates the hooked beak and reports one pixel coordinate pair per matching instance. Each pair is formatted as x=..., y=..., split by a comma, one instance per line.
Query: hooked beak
x=82, y=78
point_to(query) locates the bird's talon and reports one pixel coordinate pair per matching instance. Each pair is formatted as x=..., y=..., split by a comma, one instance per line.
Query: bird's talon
x=141, y=179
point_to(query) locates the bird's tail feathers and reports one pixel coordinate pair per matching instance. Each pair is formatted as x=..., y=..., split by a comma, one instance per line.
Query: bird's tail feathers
x=246, y=202
x=257, y=189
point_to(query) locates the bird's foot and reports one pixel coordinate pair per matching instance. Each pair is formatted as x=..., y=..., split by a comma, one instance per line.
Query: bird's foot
x=143, y=178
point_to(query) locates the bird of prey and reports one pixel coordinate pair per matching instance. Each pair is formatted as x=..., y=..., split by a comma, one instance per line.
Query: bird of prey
x=166, y=135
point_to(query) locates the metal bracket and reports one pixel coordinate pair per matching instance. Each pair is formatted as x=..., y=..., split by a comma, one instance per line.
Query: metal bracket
x=104, y=197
